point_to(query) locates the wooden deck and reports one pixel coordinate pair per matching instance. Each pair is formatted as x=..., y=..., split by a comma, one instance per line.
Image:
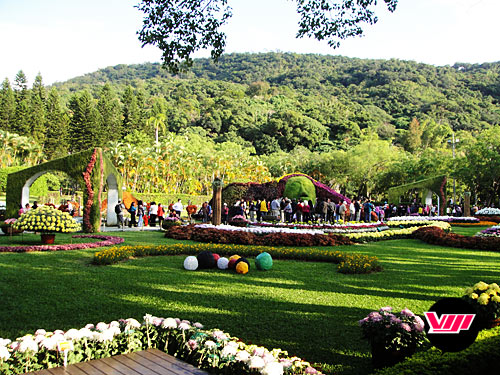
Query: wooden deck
x=146, y=362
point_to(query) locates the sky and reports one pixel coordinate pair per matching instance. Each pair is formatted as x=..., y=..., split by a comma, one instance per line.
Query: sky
x=62, y=39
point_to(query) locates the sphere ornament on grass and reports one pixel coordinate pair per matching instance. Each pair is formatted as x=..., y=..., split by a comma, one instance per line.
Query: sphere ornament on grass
x=191, y=263
x=222, y=263
x=264, y=261
x=232, y=261
x=206, y=260
x=242, y=266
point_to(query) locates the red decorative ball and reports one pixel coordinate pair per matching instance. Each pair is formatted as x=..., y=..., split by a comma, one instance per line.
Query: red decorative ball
x=216, y=257
x=232, y=261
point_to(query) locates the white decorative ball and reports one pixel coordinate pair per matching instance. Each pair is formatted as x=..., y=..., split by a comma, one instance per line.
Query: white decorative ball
x=222, y=263
x=191, y=263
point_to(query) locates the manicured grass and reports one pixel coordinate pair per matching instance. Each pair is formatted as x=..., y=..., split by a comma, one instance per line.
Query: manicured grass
x=467, y=231
x=306, y=308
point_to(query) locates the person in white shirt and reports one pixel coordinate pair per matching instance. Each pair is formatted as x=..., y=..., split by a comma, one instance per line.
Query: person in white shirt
x=153, y=212
x=178, y=207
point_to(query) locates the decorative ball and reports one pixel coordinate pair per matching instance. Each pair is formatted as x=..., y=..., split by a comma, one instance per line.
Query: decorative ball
x=222, y=263
x=206, y=260
x=232, y=261
x=242, y=268
x=264, y=261
x=216, y=256
x=191, y=263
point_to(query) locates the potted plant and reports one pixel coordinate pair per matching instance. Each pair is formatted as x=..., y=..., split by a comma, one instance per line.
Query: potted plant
x=47, y=221
x=7, y=227
x=393, y=336
x=485, y=298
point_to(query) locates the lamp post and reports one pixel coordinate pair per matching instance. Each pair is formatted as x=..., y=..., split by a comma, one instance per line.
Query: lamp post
x=453, y=141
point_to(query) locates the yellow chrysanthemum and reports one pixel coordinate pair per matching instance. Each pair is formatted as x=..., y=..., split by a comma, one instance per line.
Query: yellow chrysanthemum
x=481, y=286
x=483, y=299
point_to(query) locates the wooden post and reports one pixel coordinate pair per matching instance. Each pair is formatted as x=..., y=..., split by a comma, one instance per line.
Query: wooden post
x=217, y=201
x=467, y=204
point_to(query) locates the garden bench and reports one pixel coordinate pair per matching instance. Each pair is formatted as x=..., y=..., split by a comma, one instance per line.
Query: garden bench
x=146, y=362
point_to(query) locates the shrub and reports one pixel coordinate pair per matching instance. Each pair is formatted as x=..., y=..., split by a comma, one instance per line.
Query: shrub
x=213, y=235
x=437, y=236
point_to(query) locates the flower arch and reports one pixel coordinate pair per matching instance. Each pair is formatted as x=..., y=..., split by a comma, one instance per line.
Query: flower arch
x=90, y=169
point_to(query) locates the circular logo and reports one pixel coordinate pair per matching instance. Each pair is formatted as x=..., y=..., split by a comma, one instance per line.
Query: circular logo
x=451, y=324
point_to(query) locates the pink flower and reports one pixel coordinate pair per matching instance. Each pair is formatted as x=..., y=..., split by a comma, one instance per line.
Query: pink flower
x=407, y=312
x=192, y=344
x=311, y=370
x=386, y=308
x=406, y=327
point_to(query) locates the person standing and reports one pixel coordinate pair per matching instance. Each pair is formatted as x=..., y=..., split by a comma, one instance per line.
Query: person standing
x=225, y=213
x=140, y=214
x=253, y=211
x=153, y=213
x=133, y=212
x=263, y=208
x=119, y=214
x=178, y=207
x=352, y=210
x=342, y=211
x=275, y=208
x=160, y=214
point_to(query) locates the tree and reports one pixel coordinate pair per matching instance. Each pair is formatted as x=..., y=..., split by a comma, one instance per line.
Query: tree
x=181, y=27
x=7, y=105
x=110, y=122
x=83, y=127
x=130, y=111
x=37, y=110
x=21, y=122
x=56, y=123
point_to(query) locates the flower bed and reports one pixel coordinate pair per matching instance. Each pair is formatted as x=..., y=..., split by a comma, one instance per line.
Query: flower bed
x=208, y=233
x=493, y=231
x=450, y=219
x=486, y=301
x=348, y=263
x=438, y=236
x=489, y=214
x=478, y=224
x=394, y=234
x=211, y=350
x=106, y=241
x=321, y=226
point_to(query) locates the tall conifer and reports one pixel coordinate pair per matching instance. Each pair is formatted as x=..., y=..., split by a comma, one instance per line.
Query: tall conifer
x=7, y=106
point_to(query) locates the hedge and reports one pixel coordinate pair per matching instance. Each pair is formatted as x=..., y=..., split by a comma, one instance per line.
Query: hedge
x=482, y=357
x=39, y=187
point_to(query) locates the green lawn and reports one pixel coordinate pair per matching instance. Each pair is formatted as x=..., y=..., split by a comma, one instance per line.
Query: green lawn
x=306, y=308
x=467, y=231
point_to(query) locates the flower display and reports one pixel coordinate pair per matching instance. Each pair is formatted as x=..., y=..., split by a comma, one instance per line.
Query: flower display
x=393, y=330
x=450, y=219
x=395, y=233
x=46, y=219
x=493, y=231
x=488, y=211
x=211, y=350
x=105, y=241
x=485, y=298
x=438, y=236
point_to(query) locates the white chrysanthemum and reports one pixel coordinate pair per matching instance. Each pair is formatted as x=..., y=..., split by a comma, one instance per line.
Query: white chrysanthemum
x=28, y=344
x=101, y=326
x=4, y=353
x=114, y=323
x=184, y=326
x=106, y=335
x=272, y=368
x=49, y=343
x=73, y=334
x=256, y=362
x=4, y=342
x=169, y=323
x=228, y=351
x=40, y=332
x=242, y=356
x=209, y=344
x=86, y=332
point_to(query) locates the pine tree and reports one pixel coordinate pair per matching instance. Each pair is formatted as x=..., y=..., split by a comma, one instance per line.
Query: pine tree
x=37, y=110
x=130, y=111
x=21, y=117
x=110, y=123
x=56, y=123
x=7, y=106
x=83, y=127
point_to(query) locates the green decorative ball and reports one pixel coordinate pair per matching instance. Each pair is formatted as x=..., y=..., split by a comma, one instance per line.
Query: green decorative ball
x=264, y=261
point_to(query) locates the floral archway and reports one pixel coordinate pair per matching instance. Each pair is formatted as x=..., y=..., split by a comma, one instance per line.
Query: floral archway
x=90, y=169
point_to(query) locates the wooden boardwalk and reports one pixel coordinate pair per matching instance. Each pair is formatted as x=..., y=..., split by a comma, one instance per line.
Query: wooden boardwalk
x=146, y=362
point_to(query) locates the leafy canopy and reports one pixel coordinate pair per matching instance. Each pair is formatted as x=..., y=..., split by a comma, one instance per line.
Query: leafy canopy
x=181, y=27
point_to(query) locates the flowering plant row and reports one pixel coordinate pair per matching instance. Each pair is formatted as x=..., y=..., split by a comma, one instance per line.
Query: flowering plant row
x=106, y=241
x=393, y=234
x=493, y=231
x=323, y=226
x=211, y=350
x=212, y=235
x=450, y=219
x=438, y=236
x=260, y=230
x=358, y=261
x=488, y=211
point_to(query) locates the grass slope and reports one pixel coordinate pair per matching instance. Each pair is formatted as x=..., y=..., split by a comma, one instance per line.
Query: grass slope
x=306, y=308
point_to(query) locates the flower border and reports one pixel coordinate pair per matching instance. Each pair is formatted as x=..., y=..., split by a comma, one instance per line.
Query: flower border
x=106, y=241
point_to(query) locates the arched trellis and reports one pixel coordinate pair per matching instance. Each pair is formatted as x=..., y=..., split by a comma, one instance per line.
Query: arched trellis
x=90, y=169
x=435, y=185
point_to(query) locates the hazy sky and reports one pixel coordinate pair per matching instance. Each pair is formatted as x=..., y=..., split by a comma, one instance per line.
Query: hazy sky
x=62, y=39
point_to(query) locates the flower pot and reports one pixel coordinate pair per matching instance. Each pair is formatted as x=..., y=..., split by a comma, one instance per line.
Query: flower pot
x=48, y=238
x=382, y=357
